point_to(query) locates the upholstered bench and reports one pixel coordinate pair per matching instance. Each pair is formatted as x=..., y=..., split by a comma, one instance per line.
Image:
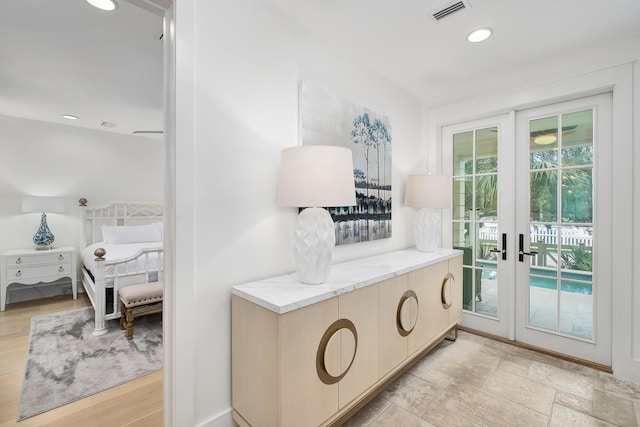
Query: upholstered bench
x=139, y=300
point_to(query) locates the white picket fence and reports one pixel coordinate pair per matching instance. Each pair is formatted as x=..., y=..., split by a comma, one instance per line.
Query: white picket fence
x=549, y=236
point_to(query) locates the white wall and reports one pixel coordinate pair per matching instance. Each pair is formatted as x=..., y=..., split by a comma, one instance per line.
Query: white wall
x=238, y=69
x=45, y=159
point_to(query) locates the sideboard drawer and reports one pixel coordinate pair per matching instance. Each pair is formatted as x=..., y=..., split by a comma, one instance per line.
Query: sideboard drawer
x=43, y=258
x=15, y=274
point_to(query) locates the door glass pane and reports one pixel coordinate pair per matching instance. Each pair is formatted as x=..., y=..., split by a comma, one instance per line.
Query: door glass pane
x=543, y=299
x=543, y=239
x=577, y=138
x=486, y=241
x=543, y=142
x=561, y=227
x=461, y=236
x=487, y=150
x=463, y=153
x=487, y=196
x=577, y=191
x=487, y=291
x=467, y=288
x=462, y=197
x=475, y=221
x=544, y=195
x=577, y=250
x=576, y=313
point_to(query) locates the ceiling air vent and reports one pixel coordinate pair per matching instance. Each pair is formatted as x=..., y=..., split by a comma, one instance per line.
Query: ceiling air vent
x=449, y=10
x=107, y=124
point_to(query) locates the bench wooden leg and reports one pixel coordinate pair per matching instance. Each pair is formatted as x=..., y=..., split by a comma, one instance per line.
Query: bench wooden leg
x=129, y=314
x=122, y=315
x=129, y=323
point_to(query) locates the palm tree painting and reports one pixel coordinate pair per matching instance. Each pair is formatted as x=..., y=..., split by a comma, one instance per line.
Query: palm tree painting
x=327, y=119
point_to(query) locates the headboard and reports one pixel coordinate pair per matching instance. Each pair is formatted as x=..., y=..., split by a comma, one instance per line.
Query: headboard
x=116, y=213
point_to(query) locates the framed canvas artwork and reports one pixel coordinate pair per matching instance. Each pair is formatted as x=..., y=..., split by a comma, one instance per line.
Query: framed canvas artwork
x=327, y=119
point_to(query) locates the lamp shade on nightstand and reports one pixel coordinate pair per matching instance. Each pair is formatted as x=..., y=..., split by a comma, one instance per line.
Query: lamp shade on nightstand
x=311, y=177
x=430, y=193
x=35, y=204
x=43, y=238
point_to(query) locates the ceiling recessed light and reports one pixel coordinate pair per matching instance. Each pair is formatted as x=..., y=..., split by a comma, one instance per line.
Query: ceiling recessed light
x=545, y=139
x=481, y=34
x=104, y=4
x=70, y=117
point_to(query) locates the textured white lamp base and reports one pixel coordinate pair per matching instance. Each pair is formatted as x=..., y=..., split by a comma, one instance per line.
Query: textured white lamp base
x=313, y=245
x=426, y=228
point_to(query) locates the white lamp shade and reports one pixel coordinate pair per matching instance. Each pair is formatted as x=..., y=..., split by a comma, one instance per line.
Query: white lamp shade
x=36, y=204
x=428, y=191
x=315, y=176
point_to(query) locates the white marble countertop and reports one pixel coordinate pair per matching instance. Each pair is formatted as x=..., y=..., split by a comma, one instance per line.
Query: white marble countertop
x=285, y=293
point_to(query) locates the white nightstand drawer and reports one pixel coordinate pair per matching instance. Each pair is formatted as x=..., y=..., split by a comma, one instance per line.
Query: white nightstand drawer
x=15, y=274
x=41, y=258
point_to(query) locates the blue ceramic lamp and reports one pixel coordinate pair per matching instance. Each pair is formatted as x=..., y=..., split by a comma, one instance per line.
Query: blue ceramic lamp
x=43, y=238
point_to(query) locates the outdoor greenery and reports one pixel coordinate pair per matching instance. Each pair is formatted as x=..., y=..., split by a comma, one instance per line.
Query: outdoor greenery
x=577, y=194
x=579, y=258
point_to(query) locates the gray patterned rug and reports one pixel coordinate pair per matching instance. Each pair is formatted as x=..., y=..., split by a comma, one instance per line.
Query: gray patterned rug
x=66, y=363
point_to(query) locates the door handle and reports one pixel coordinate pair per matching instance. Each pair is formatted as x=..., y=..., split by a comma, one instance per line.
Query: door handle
x=521, y=252
x=503, y=251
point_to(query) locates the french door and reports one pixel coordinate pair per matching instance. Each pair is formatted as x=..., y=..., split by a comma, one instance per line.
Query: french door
x=532, y=214
x=483, y=219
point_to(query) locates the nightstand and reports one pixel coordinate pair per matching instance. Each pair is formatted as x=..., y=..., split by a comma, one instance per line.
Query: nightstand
x=31, y=266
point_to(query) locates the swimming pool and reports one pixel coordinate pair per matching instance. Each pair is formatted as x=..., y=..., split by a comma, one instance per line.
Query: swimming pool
x=541, y=278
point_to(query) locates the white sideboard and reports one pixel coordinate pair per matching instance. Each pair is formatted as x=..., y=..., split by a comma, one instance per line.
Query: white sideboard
x=310, y=355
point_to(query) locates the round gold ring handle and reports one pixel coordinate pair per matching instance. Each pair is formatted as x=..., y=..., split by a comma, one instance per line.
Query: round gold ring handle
x=334, y=328
x=443, y=297
x=401, y=328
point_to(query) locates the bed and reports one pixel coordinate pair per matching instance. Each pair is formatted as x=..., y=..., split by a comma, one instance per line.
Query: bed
x=123, y=245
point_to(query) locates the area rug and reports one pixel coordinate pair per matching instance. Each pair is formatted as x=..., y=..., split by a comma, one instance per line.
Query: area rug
x=66, y=362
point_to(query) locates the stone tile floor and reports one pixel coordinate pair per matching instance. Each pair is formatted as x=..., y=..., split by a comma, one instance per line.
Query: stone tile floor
x=476, y=381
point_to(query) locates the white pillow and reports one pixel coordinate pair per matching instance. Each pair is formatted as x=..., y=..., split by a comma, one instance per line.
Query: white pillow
x=131, y=234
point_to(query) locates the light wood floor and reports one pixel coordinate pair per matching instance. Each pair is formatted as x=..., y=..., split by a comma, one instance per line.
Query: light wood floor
x=136, y=403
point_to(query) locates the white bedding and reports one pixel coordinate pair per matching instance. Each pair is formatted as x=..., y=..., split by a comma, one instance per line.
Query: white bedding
x=117, y=252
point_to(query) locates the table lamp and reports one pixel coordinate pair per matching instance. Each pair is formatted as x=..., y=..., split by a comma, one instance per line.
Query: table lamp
x=30, y=204
x=430, y=193
x=313, y=176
